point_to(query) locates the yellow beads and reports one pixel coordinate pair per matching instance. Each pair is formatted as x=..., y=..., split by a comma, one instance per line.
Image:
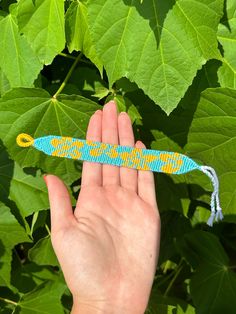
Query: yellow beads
x=173, y=162
x=64, y=146
x=136, y=158
x=24, y=140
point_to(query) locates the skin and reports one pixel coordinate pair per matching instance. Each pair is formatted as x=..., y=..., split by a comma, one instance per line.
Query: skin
x=108, y=247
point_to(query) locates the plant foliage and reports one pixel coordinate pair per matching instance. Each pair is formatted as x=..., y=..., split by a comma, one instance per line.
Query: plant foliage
x=171, y=65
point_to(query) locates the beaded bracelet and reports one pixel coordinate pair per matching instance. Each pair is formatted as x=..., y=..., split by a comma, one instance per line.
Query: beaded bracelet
x=124, y=156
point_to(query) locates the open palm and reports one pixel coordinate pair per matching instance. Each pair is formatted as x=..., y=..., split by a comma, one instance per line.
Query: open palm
x=108, y=247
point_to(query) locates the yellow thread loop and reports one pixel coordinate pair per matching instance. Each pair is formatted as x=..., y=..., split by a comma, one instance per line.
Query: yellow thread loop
x=24, y=140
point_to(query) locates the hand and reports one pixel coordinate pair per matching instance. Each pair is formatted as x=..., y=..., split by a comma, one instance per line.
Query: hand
x=108, y=248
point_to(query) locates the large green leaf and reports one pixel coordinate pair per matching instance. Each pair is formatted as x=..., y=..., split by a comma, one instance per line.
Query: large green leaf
x=17, y=60
x=77, y=32
x=213, y=284
x=4, y=83
x=33, y=188
x=159, y=45
x=171, y=134
x=42, y=22
x=227, y=37
x=213, y=289
x=35, y=112
x=11, y=233
x=42, y=253
x=28, y=192
x=27, y=276
x=212, y=141
x=45, y=299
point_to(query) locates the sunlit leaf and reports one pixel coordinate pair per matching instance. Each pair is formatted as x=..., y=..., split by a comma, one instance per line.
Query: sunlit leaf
x=212, y=141
x=78, y=35
x=18, y=62
x=158, y=45
x=227, y=37
x=42, y=22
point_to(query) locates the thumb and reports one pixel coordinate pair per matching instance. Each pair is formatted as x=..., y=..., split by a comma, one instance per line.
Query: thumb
x=60, y=203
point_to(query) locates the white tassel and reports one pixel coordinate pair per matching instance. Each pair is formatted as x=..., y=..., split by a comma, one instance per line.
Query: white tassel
x=216, y=211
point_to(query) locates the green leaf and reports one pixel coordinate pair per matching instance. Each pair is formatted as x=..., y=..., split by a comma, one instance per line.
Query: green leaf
x=45, y=299
x=11, y=233
x=201, y=247
x=35, y=112
x=159, y=304
x=189, y=310
x=227, y=37
x=181, y=192
x=124, y=104
x=42, y=22
x=89, y=83
x=213, y=284
x=159, y=46
x=175, y=225
x=33, y=188
x=4, y=83
x=14, y=183
x=77, y=32
x=213, y=289
x=124, y=85
x=26, y=277
x=18, y=62
x=212, y=141
x=42, y=253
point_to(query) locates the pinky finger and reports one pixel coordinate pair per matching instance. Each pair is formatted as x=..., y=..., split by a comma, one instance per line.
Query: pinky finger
x=146, y=183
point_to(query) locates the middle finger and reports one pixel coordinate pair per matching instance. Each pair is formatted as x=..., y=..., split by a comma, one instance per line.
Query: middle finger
x=111, y=174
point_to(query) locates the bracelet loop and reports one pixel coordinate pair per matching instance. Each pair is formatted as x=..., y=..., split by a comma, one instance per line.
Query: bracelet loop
x=24, y=140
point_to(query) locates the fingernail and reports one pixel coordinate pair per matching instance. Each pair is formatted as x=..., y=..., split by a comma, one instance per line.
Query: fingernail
x=109, y=103
x=123, y=113
x=98, y=112
x=140, y=143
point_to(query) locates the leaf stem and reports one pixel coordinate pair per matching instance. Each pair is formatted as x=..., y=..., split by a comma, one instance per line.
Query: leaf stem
x=9, y=301
x=178, y=270
x=62, y=54
x=166, y=278
x=63, y=84
x=48, y=230
x=65, y=55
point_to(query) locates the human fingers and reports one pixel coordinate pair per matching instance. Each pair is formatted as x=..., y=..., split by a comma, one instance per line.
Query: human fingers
x=92, y=171
x=146, y=184
x=60, y=204
x=128, y=177
x=110, y=173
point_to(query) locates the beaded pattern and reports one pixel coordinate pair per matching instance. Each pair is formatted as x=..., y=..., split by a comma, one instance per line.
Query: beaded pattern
x=125, y=156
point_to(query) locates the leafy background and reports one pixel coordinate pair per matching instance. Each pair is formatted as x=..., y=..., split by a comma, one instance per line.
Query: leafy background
x=171, y=65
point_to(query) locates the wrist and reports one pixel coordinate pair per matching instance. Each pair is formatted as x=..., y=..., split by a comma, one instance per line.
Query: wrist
x=102, y=309
x=109, y=306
